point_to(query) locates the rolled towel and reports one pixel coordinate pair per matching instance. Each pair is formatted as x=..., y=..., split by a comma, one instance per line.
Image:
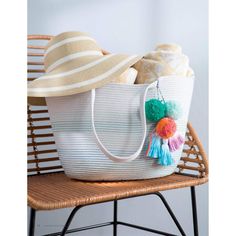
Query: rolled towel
x=148, y=71
x=175, y=48
x=128, y=77
x=165, y=51
x=167, y=59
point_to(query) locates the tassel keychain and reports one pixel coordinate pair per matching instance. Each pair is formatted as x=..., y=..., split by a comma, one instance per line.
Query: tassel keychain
x=163, y=139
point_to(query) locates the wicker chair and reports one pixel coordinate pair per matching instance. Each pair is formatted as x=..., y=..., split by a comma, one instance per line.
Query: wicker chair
x=47, y=181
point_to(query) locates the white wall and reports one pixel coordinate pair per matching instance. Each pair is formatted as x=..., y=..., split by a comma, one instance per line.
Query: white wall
x=136, y=26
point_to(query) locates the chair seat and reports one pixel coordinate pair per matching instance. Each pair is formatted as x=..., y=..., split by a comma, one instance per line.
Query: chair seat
x=56, y=190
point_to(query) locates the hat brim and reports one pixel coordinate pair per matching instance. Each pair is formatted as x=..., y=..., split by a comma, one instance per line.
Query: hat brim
x=79, y=79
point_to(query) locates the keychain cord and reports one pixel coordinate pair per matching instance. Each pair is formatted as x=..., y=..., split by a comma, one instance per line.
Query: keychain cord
x=159, y=94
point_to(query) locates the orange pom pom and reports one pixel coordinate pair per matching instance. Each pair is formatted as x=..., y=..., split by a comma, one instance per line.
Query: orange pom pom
x=166, y=128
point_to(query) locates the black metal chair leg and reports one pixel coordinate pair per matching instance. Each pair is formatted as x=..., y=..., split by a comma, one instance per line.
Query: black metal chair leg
x=116, y=222
x=32, y=222
x=171, y=213
x=68, y=222
x=194, y=211
x=115, y=219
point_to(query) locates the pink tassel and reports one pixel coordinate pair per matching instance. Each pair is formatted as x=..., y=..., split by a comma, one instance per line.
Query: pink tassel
x=175, y=142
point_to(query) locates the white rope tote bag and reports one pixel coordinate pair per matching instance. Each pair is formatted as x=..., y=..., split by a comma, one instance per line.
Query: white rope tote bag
x=103, y=134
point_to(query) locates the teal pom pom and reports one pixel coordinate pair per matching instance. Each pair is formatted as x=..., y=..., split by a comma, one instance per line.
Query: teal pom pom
x=173, y=110
x=155, y=110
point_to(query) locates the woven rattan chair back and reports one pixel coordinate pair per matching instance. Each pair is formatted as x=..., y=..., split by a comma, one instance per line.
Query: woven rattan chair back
x=42, y=152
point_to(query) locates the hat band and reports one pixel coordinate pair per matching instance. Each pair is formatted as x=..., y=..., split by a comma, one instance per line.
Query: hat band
x=71, y=57
x=68, y=40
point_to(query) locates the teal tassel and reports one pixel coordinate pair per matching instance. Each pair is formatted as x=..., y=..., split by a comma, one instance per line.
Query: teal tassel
x=165, y=158
x=154, y=146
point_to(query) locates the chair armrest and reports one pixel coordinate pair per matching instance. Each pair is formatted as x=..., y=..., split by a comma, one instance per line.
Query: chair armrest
x=194, y=159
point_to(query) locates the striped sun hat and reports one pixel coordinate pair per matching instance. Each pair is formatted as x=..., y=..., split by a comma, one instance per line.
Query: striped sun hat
x=74, y=63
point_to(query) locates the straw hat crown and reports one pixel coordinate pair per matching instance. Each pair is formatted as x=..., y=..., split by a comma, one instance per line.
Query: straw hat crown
x=74, y=63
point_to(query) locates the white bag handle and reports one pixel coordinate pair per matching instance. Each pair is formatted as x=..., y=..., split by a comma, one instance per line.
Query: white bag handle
x=143, y=120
